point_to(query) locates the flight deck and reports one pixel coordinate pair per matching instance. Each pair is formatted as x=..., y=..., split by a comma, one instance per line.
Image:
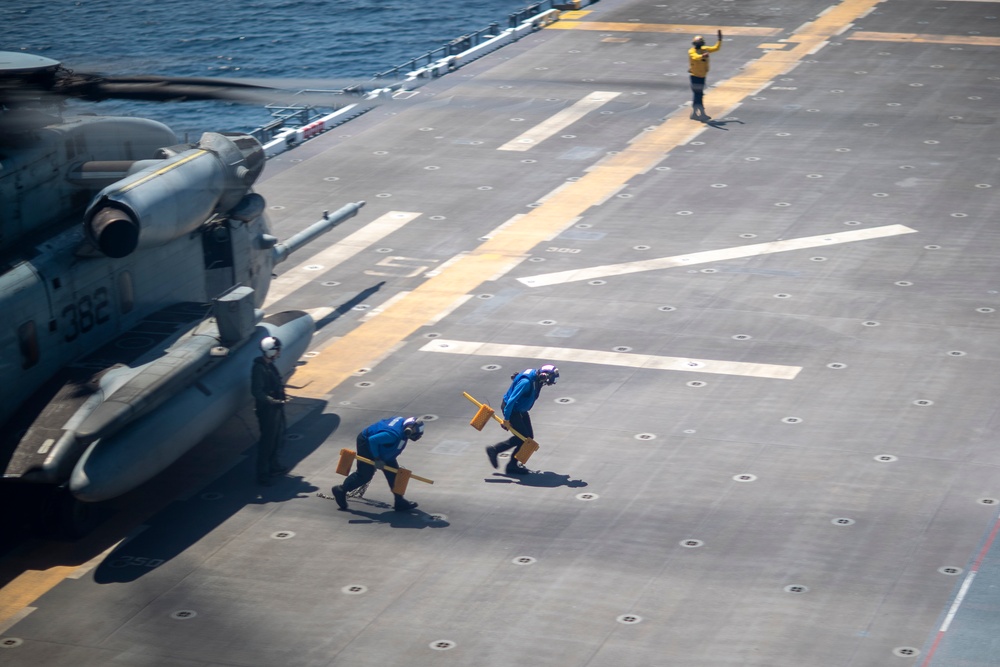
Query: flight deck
x=773, y=441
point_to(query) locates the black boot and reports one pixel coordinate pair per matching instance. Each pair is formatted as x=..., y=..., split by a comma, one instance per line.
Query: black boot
x=403, y=505
x=491, y=452
x=698, y=113
x=340, y=496
x=515, y=468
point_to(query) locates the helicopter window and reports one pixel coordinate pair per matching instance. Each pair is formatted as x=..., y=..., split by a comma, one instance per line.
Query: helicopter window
x=28, y=337
x=126, y=292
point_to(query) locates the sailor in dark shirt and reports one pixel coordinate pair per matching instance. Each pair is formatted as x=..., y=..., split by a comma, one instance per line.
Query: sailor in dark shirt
x=268, y=391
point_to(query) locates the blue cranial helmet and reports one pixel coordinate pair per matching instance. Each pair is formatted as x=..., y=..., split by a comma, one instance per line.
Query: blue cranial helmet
x=413, y=428
x=548, y=374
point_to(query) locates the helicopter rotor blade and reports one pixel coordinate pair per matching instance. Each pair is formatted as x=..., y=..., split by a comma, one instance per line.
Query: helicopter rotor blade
x=96, y=88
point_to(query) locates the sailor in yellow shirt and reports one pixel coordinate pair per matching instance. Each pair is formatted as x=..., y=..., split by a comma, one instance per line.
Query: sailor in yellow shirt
x=698, y=60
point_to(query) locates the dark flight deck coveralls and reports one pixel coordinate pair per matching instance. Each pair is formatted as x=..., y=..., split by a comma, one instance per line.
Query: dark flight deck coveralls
x=268, y=391
x=519, y=399
x=382, y=441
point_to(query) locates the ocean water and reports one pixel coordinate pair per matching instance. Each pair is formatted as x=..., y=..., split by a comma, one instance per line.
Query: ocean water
x=329, y=40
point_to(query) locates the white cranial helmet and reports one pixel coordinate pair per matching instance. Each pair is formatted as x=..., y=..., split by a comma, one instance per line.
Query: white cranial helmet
x=270, y=346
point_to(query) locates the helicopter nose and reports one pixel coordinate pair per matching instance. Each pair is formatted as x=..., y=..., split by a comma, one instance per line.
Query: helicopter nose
x=115, y=232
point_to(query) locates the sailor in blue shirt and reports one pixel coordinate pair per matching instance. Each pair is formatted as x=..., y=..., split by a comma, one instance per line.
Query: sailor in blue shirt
x=519, y=399
x=381, y=442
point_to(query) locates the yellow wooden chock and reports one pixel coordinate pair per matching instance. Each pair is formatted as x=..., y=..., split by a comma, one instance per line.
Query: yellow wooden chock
x=483, y=416
x=528, y=447
x=402, y=479
x=345, y=462
x=403, y=475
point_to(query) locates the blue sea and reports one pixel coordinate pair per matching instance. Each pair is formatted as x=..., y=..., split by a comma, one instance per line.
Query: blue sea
x=296, y=39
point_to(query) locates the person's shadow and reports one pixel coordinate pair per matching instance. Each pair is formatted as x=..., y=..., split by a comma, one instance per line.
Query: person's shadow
x=376, y=511
x=721, y=124
x=537, y=478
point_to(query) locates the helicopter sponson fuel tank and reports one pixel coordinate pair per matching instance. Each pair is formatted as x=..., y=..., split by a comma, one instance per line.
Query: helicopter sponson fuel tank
x=143, y=210
x=135, y=450
x=141, y=419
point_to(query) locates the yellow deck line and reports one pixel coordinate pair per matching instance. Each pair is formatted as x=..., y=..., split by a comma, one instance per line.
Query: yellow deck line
x=923, y=38
x=342, y=358
x=693, y=29
x=28, y=587
x=29, y=584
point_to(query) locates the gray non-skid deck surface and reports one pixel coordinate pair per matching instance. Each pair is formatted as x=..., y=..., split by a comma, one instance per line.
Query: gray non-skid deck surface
x=681, y=518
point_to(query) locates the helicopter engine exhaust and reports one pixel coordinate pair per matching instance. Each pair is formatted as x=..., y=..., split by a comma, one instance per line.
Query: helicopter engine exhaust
x=175, y=196
x=116, y=232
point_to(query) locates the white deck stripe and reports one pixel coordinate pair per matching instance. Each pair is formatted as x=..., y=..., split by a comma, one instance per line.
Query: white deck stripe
x=958, y=601
x=753, y=250
x=614, y=359
x=556, y=123
x=339, y=252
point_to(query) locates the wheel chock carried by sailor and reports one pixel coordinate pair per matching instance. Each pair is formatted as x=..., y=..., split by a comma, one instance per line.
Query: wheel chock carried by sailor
x=517, y=402
x=378, y=447
x=483, y=416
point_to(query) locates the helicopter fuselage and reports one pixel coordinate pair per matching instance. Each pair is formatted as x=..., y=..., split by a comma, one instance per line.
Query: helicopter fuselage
x=63, y=297
x=143, y=235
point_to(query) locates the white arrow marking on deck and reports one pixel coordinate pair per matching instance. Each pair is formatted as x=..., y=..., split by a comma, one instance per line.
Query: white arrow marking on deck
x=556, y=123
x=715, y=255
x=339, y=252
x=649, y=361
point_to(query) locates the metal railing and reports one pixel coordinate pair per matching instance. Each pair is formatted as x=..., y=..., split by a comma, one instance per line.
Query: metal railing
x=466, y=42
x=292, y=117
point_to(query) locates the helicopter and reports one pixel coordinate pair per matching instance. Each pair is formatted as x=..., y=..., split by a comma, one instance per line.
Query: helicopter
x=133, y=271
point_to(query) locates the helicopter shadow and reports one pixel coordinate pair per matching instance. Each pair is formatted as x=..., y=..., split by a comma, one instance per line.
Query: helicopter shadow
x=345, y=307
x=185, y=522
